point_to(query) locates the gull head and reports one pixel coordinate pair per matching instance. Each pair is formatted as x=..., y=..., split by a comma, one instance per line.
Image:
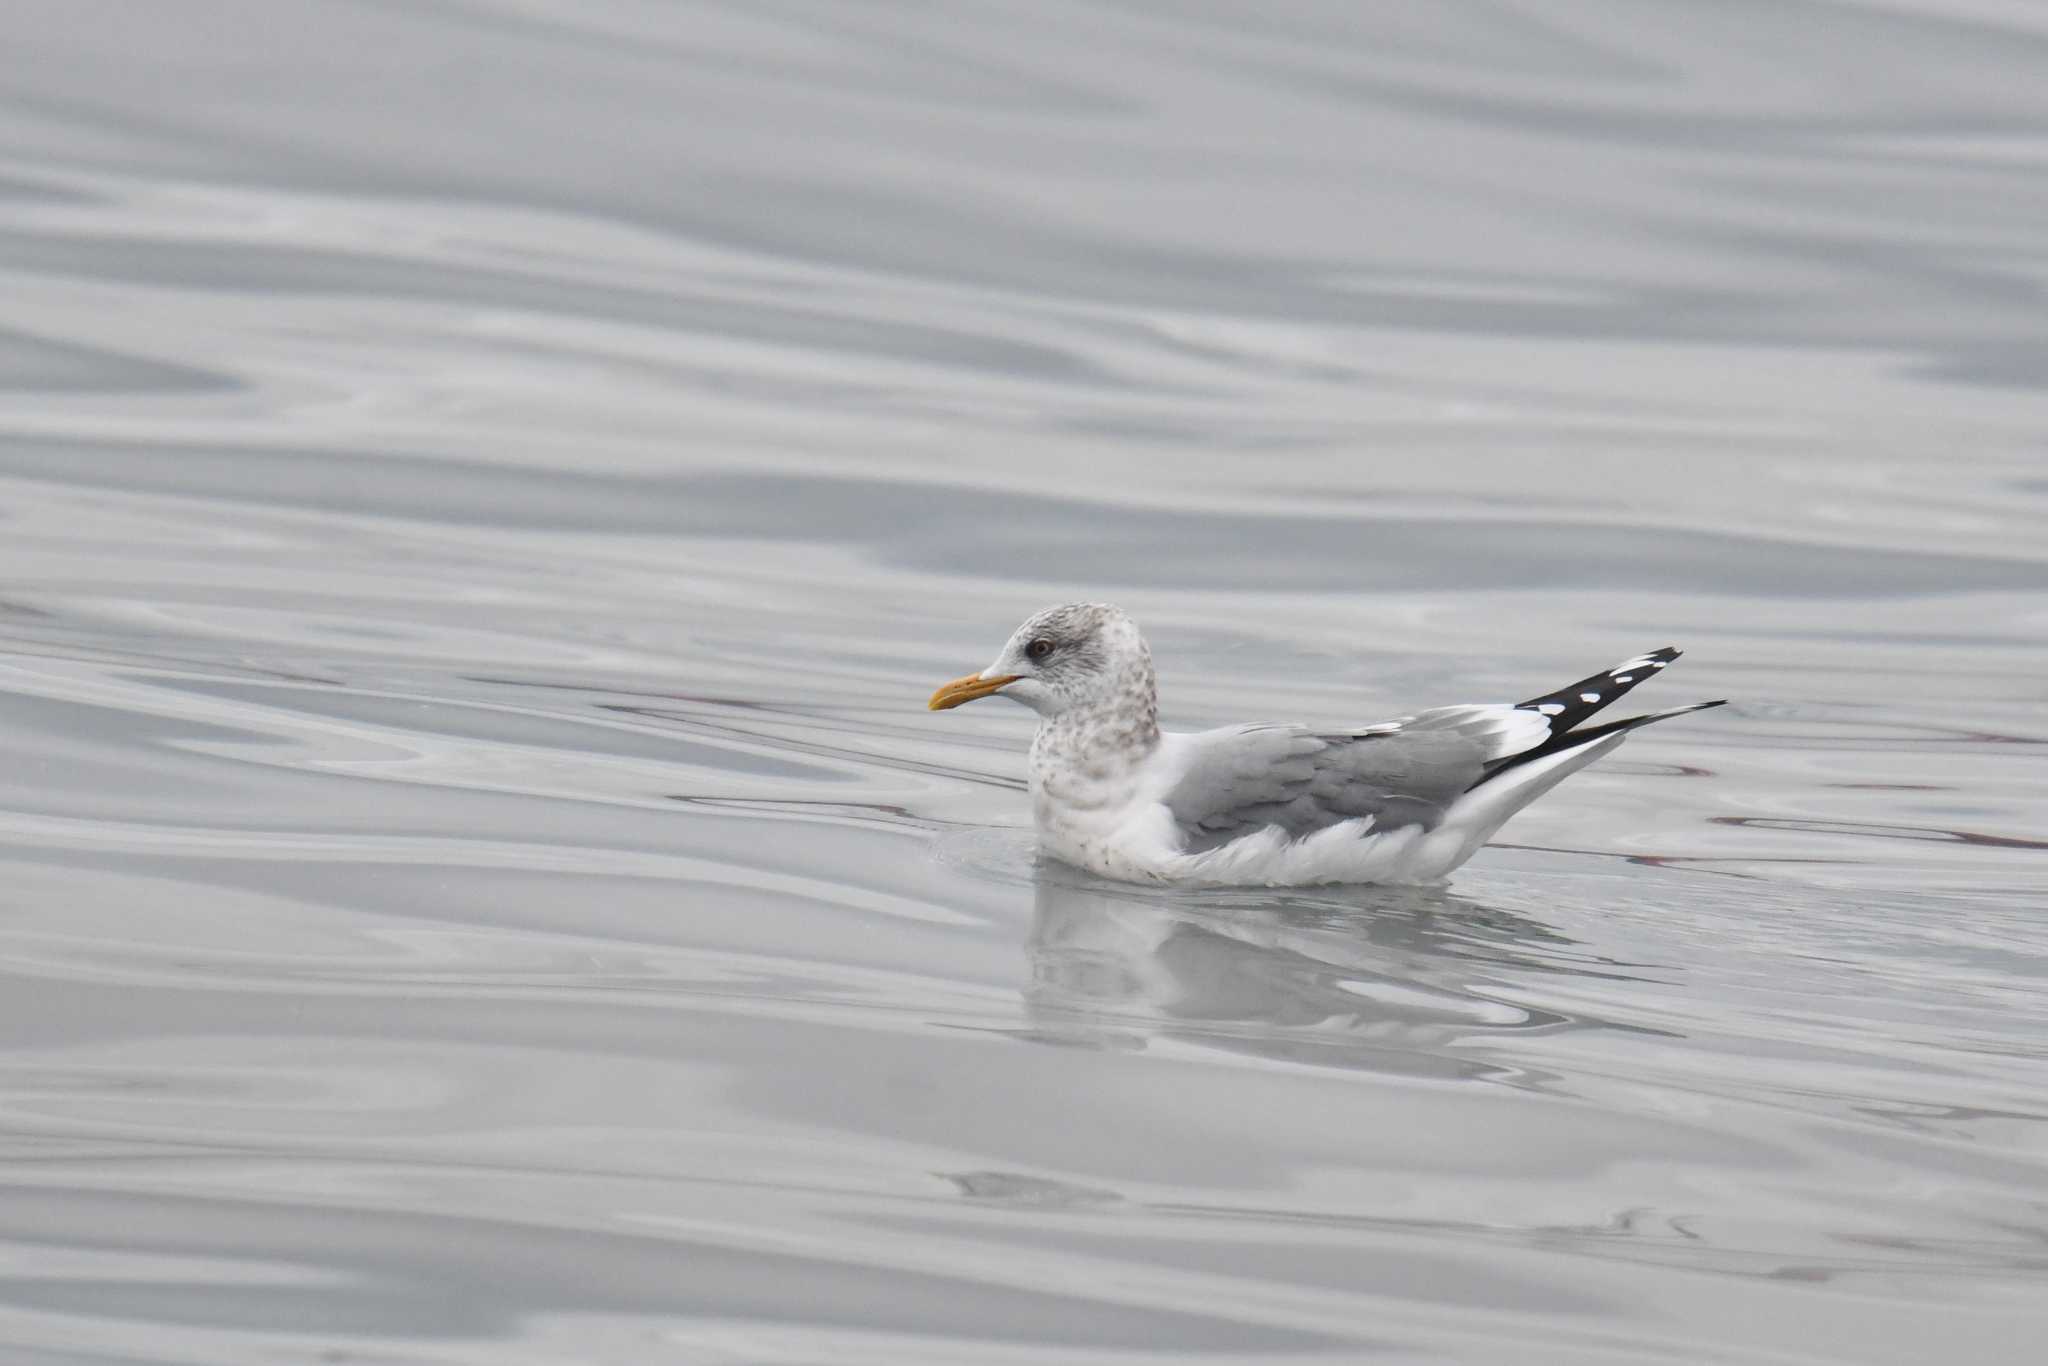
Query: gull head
x=1083, y=656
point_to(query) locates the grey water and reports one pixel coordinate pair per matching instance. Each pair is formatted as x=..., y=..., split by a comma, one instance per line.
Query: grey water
x=488, y=486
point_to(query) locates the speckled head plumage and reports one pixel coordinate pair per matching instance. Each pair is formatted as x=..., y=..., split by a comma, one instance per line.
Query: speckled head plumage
x=1079, y=657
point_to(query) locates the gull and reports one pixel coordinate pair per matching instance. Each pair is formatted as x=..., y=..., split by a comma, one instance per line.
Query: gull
x=1277, y=805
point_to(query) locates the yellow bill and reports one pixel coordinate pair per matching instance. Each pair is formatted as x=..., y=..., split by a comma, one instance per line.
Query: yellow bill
x=968, y=688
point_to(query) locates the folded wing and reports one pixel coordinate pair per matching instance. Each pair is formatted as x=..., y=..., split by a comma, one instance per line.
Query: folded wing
x=1230, y=782
x=1408, y=771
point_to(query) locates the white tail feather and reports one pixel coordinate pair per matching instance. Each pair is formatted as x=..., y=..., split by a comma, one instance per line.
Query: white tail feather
x=1474, y=817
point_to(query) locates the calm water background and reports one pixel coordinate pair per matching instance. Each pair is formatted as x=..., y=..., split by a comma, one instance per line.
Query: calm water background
x=488, y=485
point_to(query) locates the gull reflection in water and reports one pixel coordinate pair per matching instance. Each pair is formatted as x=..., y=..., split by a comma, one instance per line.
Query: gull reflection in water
x=1390, y=979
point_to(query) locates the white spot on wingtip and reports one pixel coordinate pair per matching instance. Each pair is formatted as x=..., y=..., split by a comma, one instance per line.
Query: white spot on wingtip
x=1624, y=678
x=1659, y=663
x=1589, y=697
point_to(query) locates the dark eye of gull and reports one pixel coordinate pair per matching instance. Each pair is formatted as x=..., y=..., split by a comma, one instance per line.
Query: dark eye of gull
x=1039, y=649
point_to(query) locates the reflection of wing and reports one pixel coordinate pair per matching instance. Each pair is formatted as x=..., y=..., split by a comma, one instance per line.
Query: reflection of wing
x=1404, y=772
x=1371, y=977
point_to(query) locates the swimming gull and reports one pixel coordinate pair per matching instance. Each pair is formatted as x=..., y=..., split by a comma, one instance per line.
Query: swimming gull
x=1406, y=800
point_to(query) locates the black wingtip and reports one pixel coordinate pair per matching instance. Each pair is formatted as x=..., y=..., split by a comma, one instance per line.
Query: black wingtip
x=1585, y=735
x=1568, y=706
x=1581, y=736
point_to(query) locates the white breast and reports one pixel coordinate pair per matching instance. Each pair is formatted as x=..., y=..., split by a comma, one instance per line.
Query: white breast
x=1102, y=813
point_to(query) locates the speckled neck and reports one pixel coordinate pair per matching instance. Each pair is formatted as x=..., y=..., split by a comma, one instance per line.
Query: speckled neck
x=1116, y=733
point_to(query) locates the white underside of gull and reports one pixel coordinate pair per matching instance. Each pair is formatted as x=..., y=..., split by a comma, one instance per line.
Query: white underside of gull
x=1117, y=824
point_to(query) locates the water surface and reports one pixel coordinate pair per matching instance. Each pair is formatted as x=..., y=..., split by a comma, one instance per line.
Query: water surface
x=488, y=485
